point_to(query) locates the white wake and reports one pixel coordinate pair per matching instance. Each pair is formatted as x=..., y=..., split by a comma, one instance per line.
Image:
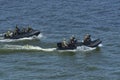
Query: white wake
x=27, y=47
x=38, y=48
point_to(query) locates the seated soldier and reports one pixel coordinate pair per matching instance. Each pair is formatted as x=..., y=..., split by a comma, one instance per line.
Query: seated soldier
x=23, y=30
x=87, y=39
x=17, y=30
x=64, y=43
x=72, y=40
x=29, y=29
x=9, y=34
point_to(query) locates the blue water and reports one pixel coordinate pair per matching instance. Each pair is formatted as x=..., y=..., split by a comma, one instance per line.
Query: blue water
x=37, y=59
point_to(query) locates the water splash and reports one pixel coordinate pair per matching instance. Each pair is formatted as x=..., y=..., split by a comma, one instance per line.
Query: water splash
x=40, y=36
x=85, y=48
x=67, y=50
x=80, y=48
x=27, y=47
x=100, y=45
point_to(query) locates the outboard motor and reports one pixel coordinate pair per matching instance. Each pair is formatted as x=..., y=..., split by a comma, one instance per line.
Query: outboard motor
x=59, y=45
